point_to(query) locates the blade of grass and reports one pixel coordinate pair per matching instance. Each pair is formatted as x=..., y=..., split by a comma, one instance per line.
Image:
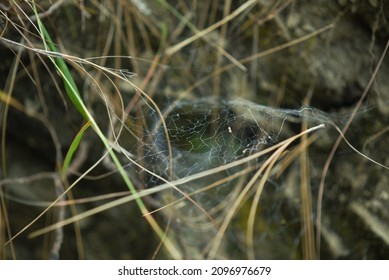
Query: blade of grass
x=278, y=148
x=269, y=164
x=337, y=143
x=75, y=97
x=73, y=147
x=307, y=227
x=170, y=51
x=70, y=85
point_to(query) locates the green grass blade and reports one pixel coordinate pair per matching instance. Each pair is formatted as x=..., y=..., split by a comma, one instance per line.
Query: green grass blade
x=73, y=147
x=75, y=97
x=70, y=85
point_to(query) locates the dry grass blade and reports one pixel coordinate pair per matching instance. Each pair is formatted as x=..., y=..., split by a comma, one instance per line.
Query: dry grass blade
x=215, y=45
x=172, y=50
x=336, y=145
x=233, y=209
x=308, y=239
x=259, y=55
x=269, y=164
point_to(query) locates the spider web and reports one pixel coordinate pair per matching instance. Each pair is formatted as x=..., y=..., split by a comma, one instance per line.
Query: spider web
x=204, y=134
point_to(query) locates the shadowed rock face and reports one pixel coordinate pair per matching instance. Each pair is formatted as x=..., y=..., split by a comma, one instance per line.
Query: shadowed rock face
x=334, y=66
